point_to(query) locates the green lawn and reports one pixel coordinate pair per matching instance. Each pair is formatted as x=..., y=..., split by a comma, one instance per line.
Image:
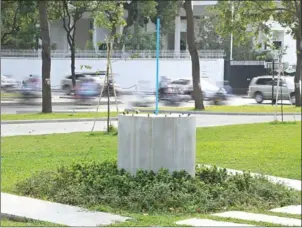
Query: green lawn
x=242, y=108
x=5, y=222
x=143, y=220
x=268, y=148
x=235, y=109
x=9, y=95
x=47, y=116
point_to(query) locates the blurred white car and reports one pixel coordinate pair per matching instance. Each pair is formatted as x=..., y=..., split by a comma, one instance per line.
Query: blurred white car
x=8, y=82
x=141, y=99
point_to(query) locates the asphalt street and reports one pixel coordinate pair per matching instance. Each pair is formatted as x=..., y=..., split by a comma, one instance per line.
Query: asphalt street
x=72, y=107
x=86, y=126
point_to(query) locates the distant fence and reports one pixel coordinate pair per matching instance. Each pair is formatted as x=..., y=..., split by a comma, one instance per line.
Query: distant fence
x=91, y=54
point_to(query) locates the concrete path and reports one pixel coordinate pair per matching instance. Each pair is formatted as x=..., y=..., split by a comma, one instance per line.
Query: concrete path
x=30, y=208
x=68, y=127
x=51, y=128
x=207, y=222
x=260, y=218
x=251, y=217
x=56, y=100
x=293, y=209
x=291, y=183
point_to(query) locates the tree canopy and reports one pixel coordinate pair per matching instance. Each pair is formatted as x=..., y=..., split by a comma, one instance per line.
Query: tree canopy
x=255, y=18
x=19, y=20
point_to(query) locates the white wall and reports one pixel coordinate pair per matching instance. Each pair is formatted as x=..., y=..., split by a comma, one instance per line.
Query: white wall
x=128, y=72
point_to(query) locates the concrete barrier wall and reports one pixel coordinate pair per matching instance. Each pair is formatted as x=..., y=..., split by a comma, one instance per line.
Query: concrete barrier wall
x=128, y=72
x=155, y=142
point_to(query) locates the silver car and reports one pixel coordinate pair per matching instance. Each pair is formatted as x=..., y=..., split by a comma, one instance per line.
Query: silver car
x=261, y=88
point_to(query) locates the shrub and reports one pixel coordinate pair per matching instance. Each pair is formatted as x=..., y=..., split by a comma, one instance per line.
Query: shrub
x=101, y=185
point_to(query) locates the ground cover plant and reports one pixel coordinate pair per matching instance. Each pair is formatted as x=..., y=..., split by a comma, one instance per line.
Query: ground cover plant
x=94, y=185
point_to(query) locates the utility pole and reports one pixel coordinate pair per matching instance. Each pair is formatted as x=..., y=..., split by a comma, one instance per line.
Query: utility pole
x=300, y=50
x=273, y=83
x=300, y=21
x=231, y=45
x=300, y=34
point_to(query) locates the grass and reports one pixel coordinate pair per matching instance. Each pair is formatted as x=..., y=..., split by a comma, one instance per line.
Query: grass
x=238, y=109
x=8, y=222
x=267, y=148
x=137, y=220
x=234, y=109
x=49, y=116
x=273, y=149
x=170, y=220
x=9, y=95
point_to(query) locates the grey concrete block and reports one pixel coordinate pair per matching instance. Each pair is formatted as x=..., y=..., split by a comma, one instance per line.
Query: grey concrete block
x=157, y=141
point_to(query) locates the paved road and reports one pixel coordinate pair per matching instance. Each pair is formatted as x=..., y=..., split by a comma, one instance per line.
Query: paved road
x=85, y=126
x=12, y=109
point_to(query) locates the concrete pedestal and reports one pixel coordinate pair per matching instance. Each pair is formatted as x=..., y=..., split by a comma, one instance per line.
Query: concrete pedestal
x=156, y=141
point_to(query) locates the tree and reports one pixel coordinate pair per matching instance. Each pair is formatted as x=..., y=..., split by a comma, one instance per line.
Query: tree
x=167, y=11
x=252, y=19
x=208, y=38
x=70, y=12
x=110, y=17
x=18, y=24
x=46, y=58
x=197, y=91
x=140, y=40
x=139, y=13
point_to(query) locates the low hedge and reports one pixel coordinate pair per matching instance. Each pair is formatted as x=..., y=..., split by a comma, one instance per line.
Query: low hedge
x=99, y=185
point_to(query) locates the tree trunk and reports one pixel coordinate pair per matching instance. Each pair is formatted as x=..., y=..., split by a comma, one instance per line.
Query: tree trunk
x=72, y=50
x=298, y=73
x=197, y=94
x=72, y=65
x=108, y=87
x=46, y=58
x=71, y=42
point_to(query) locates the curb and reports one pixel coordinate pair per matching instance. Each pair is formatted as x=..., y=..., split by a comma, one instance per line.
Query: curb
x=56, y=120
x=56, y=103
x=216, y=113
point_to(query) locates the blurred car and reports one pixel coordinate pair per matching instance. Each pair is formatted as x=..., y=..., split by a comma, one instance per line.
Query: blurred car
x=261, y=88
x=141, y=99
x=8, y=83
x=228, y=88
x=184, y=84
x=210, y=92
x=98, y=77
x=31, y=87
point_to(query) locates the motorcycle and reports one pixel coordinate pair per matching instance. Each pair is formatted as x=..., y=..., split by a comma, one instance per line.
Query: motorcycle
x=86, y=91
x=173, y=96
x=30, y=89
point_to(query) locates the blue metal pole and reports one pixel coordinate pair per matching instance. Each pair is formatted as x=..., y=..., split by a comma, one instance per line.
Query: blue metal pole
x=157, y=62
